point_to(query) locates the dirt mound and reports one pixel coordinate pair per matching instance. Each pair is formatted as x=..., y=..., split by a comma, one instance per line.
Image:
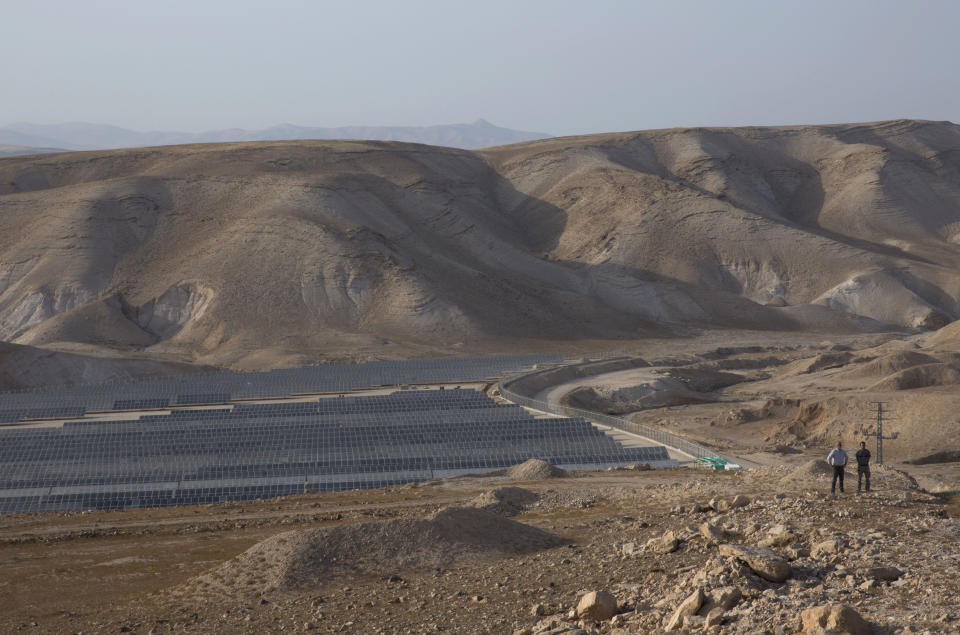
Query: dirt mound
x=533, y=470
x=298, y=559
x=889, y=364
x=810, y=469
x=938, y=374
x=505, y=500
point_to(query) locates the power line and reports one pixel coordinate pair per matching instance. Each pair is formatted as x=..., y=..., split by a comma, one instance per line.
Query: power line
x=880, y=417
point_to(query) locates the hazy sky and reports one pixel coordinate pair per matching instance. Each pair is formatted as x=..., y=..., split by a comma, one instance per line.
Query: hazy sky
x=551, y=66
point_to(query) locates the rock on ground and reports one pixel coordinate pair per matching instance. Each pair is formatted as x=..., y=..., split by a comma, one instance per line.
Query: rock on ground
x=688, y=607
x=765, y=562
x=833, y=618
x=597, y=606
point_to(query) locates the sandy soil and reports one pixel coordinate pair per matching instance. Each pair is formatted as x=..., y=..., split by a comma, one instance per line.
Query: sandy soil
x=165, y=570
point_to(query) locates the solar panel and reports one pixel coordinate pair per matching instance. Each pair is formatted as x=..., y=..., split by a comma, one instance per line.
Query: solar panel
x=224, y=386
x=250, y=450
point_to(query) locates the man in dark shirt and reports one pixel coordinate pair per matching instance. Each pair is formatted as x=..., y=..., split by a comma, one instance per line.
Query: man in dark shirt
x=863, y=465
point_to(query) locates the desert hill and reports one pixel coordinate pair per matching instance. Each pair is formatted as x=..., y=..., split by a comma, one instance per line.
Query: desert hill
x=217, y=252
x=81, y=135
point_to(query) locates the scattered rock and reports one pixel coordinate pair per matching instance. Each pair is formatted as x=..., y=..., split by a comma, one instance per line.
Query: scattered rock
x=688, y=607
x=505, y=500
x=667, y=543
x=714, y=617
x=778, y=536
x=597, y=606
x=833, y=618
x=761, y=560
x=712, y=532
x=724, y=598
x=554, y=627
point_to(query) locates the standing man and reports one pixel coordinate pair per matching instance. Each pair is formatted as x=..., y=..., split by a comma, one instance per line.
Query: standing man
x=863, y=465
x=838, y=459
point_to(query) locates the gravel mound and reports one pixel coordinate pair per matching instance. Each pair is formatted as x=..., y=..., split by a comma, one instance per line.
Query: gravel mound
x=534, y=470
x=505, y=500
x=302, y=558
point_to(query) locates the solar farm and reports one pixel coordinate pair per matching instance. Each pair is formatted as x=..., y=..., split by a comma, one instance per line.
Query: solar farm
x=262, y=435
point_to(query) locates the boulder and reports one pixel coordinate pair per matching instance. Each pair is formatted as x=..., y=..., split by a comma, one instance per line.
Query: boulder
x=765, y=562
x=712, y=532
x=597, y=606
x=833, y=618
x=688, y=607
x=667, y=543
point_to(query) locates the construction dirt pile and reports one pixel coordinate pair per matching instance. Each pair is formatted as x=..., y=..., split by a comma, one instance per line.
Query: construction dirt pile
x=533, y=470
x=301, y=558
x=505, y=500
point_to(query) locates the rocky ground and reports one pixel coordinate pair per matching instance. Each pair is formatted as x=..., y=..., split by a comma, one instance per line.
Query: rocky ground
x=758, y=551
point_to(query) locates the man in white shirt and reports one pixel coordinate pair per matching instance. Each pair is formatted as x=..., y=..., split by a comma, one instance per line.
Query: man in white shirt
x=838, y=460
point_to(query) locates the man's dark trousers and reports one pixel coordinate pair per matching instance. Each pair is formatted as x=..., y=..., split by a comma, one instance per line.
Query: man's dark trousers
x=862, y=470
x=837, y=474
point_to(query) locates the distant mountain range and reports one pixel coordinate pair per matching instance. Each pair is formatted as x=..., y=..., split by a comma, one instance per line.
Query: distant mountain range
x=9, y=150
x=24, y=138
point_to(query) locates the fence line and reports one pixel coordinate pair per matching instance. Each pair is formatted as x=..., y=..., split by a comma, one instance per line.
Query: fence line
x=658, y=436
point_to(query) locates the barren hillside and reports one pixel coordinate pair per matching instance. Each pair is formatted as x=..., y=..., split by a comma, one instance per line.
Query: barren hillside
x=212, y=252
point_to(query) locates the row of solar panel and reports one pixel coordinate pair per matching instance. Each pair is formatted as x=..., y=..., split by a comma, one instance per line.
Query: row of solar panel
x=410, y=400
x=62, y=499
x=353, y=445
x=51, y=476
x=223, y=386
x=294, y=432
x=256, y=450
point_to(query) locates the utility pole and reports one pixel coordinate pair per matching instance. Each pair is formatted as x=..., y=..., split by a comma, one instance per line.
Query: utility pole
x=881, y=416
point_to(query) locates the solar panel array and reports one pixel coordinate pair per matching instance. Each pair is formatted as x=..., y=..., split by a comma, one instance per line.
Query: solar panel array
x=225, y=386
x=249, y=451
